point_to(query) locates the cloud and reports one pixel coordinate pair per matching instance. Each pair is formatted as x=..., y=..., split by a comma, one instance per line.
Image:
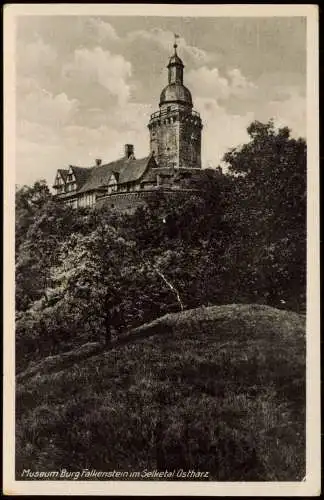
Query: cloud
x=100, y=30
x=85, y=144
x=165, y=39
x=41, y=150
x=229, y=102
x=290, y=112
x=207, y=82
x=85, y=89
x=36, y=65
x=91, y=116
x=42, y=107
x=97, y=66
x=220, y=130
x=35, y=56
x=49, y=138
x=36, y=160
x=239, y=84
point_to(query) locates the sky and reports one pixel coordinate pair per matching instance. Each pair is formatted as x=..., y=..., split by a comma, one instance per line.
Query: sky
x=85, y=86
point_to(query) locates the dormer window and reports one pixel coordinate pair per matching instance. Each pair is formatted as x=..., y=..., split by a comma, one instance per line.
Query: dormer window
x=59, y=184
x=71, y=187
x=70, y=175
x=112, y=184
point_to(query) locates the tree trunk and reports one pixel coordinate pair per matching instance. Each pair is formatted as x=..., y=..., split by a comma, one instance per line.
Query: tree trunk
x=173, y=289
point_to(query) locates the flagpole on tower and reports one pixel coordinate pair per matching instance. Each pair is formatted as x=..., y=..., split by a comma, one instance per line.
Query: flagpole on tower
x=175, y=45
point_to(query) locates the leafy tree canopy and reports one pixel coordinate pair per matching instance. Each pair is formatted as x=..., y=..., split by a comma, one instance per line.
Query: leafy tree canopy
x=90, y=273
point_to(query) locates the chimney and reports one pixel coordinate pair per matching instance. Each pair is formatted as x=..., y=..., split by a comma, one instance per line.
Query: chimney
x=129, y=150
x=98, y=162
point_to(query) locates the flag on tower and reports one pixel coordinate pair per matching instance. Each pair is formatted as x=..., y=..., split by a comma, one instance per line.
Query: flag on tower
x=175, y=45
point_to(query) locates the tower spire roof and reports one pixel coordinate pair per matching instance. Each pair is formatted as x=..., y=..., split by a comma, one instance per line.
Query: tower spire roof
x=175, y=59
x=175, y=91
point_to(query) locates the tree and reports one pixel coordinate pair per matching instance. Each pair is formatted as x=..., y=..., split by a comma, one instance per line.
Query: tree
x=84, y=274
x=29, y=201
x=91, y=276
x=269, y=214
x=48, y=226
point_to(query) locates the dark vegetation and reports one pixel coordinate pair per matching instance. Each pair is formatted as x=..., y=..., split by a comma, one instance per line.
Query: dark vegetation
x=218, y=389
x=215, y=388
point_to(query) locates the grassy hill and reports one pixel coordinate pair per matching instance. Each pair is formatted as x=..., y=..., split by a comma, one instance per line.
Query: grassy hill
x=218, y=389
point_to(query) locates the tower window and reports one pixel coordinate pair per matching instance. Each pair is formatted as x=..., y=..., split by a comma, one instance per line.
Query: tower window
x=168, y=109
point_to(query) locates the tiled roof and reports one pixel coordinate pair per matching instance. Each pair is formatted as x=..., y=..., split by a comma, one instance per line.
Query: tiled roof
x=167, y=172
x=81, y=174
x=150, y=176
x=128, y=169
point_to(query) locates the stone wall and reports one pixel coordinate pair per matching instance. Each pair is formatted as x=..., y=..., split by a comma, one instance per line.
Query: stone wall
x=164, y=141
x=131, y=201
x=124, y=202
x=189, y=143
x=175, y=137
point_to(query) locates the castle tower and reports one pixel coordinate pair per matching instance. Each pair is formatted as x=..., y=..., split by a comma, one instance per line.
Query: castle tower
x=175, y=130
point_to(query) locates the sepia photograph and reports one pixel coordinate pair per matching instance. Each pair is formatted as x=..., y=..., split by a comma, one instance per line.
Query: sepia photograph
x=161, y=258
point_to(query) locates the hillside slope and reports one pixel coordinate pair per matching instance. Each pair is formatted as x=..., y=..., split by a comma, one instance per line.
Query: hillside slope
x=218, y=389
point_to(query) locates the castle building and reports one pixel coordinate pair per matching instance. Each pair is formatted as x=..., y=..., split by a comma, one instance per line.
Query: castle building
x=175, y=155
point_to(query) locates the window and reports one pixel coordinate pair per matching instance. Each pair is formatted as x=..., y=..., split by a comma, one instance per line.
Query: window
x=168, y=109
